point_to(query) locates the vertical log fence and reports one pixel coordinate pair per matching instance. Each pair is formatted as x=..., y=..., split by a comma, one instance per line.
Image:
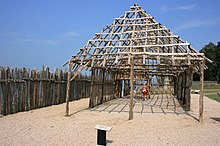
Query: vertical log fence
x=102, y=86
x=22, y=89
x=182, y=88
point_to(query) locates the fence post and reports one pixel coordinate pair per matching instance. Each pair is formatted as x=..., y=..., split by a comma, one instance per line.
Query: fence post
x=201, y=91
x=68, y=88
x=92, y=98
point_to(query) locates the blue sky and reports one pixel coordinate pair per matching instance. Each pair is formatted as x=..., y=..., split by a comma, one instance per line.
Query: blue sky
x=37, y=32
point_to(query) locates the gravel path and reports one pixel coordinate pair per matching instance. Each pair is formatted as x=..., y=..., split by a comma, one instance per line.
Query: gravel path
x=48, y=126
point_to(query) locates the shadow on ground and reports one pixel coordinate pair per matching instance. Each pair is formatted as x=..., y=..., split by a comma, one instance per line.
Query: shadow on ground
x=216, y=119
x=162, y=103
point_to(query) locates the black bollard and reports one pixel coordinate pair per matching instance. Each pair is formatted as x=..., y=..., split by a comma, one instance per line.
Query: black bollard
x=101, y=134
x=101, y=137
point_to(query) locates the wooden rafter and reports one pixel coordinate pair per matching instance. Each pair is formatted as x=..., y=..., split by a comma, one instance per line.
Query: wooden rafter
x=135, y=47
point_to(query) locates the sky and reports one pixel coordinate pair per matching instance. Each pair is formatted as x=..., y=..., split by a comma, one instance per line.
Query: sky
x=48, y=32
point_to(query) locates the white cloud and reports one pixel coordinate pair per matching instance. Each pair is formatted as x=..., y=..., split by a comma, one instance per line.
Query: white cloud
x=199, y=23
x=178, y=8
x=71, y=34
x=40, y=41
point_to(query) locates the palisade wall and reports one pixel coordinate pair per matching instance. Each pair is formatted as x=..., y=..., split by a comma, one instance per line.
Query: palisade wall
x=22, y=89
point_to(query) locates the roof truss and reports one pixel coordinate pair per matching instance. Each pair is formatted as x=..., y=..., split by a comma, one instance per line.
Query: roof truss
x=155, y=49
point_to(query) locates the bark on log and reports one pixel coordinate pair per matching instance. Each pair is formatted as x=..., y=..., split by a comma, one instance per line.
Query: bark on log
x=201, y=92
x=188, y=89
x=132, y=89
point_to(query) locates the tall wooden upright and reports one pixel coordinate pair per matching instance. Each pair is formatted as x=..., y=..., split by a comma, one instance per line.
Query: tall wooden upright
x=132, y=89
x=92, y=98
x=68, y=88
x=188, y=89
x=201, y=104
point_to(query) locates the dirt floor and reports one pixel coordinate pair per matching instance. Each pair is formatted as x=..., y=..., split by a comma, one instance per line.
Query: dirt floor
x=166, y=125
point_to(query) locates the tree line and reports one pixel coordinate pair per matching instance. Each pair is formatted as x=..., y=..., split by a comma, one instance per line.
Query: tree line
x=212, y=52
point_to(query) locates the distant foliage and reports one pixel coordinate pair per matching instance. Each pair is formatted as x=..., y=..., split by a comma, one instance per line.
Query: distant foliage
x=211, y=51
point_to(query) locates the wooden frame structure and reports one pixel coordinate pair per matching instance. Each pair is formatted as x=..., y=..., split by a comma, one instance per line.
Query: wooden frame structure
x=134, y=47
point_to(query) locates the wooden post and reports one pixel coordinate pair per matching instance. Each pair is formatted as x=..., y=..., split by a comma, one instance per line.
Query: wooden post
x=179, y=86
x=103, y=84
x=183, y=88
x=175, y=85
x=92, y=98
x=201, y=91
x=132, y=88
x=188, y=89
x=116, y=88
x=68, y=88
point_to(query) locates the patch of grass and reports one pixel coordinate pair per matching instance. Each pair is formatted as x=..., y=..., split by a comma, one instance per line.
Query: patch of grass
x=213, y=96
x=210, y=90
x=195, y=86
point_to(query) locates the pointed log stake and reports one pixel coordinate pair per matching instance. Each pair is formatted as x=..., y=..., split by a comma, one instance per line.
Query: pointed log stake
x=201, y=91
x=68, y=88
x=132, y=89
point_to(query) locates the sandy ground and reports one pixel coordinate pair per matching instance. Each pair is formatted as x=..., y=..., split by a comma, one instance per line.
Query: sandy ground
x=48, y=126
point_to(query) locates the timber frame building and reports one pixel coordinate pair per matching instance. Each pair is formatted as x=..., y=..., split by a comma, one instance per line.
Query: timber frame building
x=137, y=47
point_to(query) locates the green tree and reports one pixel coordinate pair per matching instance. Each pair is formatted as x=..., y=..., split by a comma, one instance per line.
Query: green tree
x=212, y=52
x=217, y=60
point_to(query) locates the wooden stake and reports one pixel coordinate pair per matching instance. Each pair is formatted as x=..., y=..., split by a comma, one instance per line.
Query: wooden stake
x=92, y=98
x=132, y=89
x=68, y=88
x=201, y=91
x=103, y=84
x=188, y=89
